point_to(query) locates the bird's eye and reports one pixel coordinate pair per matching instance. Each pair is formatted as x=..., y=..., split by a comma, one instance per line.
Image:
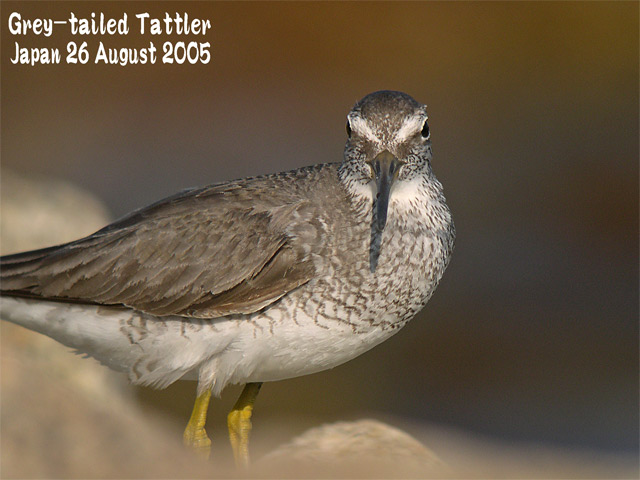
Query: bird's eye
x=425, y=130
x=348, y=129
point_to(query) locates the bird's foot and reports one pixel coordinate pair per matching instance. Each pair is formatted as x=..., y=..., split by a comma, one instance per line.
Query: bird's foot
x=195, y=436
x=197, y=440
x=239, y=424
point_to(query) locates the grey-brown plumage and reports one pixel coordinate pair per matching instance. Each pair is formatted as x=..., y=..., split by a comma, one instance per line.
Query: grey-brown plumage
x=203, y=253
x=256, y=279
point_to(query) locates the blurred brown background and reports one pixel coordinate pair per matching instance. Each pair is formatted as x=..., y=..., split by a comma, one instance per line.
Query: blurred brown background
x=532, y=336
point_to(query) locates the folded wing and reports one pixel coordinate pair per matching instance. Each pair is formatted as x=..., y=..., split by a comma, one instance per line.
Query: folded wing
x=202, y=253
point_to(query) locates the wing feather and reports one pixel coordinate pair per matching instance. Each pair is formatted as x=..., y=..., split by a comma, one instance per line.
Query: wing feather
x=203, y=253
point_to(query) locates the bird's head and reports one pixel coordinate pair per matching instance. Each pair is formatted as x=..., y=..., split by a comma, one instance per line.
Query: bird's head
x=388, y=144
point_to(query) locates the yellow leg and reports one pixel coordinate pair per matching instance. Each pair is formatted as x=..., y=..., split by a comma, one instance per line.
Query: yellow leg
x=239, y=423
x=195, y=436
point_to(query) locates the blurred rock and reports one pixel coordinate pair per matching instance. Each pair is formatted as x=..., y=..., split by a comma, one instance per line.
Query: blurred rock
x=37, y=213
x=364, y=448
x=53, y=427
x=64, y=416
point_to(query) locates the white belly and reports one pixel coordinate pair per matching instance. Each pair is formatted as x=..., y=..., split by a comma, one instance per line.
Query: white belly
x=224, y=351
x=275, y=348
